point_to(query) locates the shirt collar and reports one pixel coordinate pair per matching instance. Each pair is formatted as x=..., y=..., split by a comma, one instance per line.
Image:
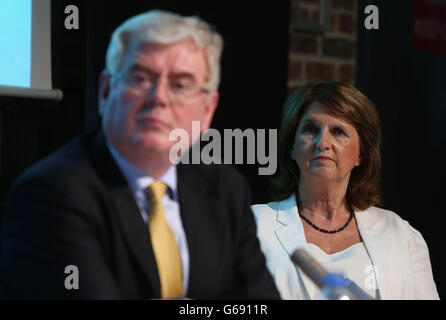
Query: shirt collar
x=138, y=180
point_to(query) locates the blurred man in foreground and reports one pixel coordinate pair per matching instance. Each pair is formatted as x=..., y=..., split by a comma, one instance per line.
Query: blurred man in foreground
x=108, y=216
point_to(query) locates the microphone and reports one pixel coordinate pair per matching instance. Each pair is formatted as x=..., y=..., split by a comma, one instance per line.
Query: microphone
x=309, y=266
x=336, y=286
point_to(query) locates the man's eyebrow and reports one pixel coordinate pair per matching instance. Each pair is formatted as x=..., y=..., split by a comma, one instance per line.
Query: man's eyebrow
x=181, y=74
x=140, y=67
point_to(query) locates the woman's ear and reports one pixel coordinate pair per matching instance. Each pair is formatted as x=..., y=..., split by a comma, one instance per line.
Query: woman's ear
x=359, y=161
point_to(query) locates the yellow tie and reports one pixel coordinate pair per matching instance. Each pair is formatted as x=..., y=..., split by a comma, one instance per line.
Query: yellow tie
x=164, y=245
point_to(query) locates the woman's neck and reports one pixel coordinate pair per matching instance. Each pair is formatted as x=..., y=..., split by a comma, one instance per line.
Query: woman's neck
x=324, y=201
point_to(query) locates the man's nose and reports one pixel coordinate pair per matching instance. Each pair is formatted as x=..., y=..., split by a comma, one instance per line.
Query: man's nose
x=159, y=93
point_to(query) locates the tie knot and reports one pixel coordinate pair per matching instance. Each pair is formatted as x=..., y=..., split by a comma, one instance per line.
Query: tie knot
x=156, y=191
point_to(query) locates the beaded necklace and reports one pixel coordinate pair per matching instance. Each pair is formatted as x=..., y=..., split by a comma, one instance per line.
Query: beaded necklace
x=325, y=230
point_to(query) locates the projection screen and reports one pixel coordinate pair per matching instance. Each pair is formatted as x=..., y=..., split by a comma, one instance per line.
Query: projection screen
x=25, y=49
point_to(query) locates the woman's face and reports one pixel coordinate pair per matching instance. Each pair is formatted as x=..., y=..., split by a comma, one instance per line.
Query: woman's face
x=326, y=148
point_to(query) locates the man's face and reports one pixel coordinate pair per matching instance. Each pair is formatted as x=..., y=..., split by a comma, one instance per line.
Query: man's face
x=136, y=119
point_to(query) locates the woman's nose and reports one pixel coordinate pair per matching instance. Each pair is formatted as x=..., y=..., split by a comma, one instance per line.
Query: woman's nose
x=322, y=140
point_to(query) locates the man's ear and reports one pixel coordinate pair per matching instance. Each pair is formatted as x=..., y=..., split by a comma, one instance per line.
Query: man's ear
x=211, y=106
x=104, y=90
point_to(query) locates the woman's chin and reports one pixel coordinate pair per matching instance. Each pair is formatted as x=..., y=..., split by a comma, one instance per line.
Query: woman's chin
x=322, y=173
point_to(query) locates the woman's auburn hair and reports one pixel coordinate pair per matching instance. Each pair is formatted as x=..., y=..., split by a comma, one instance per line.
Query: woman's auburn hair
x=349, y=104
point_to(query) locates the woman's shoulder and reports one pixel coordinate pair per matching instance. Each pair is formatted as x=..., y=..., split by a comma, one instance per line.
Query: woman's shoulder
x=268, y=221
x=268, y=215
x=381, y=214
x=383, y=219
x=265, y=210
x=265, y=214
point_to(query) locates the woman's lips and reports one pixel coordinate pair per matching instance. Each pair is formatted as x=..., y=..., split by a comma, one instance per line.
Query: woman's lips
x=322, y=158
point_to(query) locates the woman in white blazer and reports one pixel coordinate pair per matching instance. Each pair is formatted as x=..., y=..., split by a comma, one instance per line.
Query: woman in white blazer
x=327, y=189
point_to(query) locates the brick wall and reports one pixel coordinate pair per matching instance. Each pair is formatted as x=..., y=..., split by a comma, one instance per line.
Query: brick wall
x=330, y=55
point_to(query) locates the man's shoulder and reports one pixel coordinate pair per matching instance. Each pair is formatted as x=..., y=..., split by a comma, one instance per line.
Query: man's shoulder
x=69, y=160
x=220, y=180
x=214, y=172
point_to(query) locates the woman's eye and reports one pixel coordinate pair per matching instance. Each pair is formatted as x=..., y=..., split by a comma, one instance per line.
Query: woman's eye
x=309, y=128
x=339, y=131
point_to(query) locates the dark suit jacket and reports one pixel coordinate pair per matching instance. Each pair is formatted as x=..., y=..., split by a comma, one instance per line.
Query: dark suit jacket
x=75, y=208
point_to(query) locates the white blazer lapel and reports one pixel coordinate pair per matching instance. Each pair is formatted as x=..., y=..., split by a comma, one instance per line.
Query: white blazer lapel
x=378, y=244
x=291, y=235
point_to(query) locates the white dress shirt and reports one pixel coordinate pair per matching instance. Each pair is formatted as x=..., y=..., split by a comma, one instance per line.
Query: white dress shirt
x=353, y=262
x=138, y=181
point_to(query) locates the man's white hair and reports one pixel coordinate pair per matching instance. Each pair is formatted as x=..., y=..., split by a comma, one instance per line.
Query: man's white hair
x=166, y=28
